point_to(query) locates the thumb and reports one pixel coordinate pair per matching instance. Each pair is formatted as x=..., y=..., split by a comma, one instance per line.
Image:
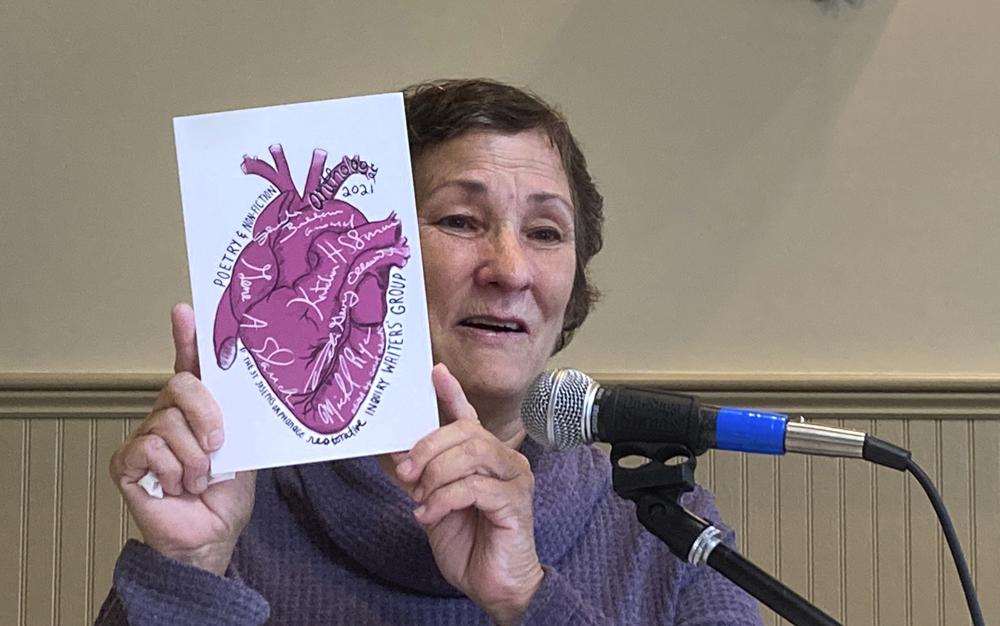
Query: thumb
x=452, y=402
x=185, y=345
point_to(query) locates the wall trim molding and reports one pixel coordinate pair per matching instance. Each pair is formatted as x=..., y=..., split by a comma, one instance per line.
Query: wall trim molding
x=843, y=396
x=808, y=381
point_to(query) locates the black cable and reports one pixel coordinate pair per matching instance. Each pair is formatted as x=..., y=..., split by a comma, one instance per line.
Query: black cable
x=952, y=537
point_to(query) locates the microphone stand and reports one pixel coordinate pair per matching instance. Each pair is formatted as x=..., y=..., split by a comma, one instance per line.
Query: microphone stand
x=656, y=488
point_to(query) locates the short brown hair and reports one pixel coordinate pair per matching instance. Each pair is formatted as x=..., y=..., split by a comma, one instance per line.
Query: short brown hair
x=439, y=110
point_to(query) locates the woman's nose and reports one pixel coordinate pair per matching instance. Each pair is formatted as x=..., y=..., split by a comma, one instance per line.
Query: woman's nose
x=505, y=262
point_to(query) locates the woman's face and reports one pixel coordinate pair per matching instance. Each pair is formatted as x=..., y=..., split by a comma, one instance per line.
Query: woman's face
x=496, y=233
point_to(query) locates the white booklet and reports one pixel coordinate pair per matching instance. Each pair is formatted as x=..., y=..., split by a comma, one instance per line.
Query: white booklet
x=307, y=280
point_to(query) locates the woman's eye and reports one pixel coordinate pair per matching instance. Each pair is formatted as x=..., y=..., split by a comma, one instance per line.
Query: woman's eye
x=457, y=222
x=547, y=235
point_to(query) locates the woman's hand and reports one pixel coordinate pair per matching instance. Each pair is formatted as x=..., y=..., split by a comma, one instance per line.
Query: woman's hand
x=193, y=523
x=475, y=499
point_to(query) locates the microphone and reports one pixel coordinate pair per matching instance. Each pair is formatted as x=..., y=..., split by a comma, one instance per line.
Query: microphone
x=564, y=408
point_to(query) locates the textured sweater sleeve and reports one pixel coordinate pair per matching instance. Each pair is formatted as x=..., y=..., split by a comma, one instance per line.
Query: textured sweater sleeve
x=709, y=599
x=556, y=602
x=151, y=589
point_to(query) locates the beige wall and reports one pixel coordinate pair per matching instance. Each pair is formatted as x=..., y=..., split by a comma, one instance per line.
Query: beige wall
x=798, y=196
x=790, y=188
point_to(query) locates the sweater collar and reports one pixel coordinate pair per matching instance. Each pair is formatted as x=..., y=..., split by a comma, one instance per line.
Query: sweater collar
x=370, y=519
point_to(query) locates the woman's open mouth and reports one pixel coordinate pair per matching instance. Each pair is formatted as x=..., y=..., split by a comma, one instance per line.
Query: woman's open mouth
x=494, y=324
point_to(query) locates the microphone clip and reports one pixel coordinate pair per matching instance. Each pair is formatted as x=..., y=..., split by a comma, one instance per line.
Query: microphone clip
x=668, y=470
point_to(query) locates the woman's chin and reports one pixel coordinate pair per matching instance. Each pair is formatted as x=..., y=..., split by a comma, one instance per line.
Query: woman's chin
x=493, y=385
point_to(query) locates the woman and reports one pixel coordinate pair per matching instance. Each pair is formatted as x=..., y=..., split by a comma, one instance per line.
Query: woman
x=474, y=524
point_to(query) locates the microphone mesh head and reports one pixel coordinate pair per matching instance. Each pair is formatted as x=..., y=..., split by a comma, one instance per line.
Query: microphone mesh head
x=556, y=409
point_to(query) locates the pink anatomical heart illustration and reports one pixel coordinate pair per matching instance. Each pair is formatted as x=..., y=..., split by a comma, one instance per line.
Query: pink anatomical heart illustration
x=307, y=296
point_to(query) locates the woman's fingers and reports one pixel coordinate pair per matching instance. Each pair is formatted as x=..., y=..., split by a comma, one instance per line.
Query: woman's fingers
x=397, y=457
x=503, y=502
x=445, y=468
x=169, y=424
x=200, y=410
x=460, y=448
x=462, y=465
x=459, y=417
x=142, y=454
x=175, y=440
x=473, y=456
x=452, y=402
x=412, y=465
x=185, y=344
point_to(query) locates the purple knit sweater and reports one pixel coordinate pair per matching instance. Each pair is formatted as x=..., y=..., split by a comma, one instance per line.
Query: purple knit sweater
x=336, y=543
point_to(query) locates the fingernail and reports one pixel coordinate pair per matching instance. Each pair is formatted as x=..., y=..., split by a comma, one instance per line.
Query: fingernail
x=418, y=494
x=214, y=439
x=419, y=511
x=201, y=483
x=404, y=468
